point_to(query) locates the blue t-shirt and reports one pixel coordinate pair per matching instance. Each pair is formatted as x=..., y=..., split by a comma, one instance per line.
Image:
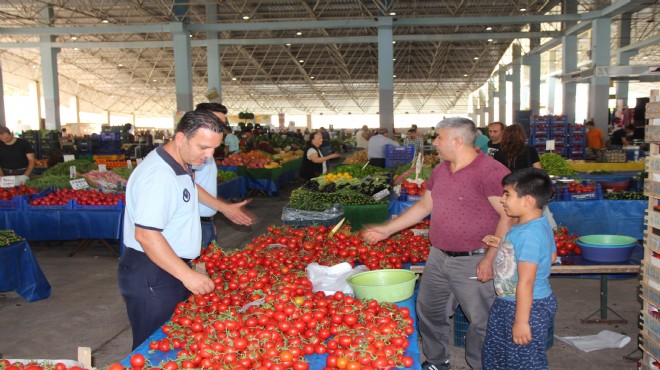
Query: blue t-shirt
x=531, y=242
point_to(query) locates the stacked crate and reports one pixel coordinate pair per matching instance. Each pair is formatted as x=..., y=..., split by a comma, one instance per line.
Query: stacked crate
x=32, y=137
x=650, y=282
x=49, y=145
x=544, y=128
x=577, y=142
x=109, y=140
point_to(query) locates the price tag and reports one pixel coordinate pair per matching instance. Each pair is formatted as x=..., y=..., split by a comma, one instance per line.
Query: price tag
x=69, y=157
x=103, y=168
x=79, y=184
x=138, y=161
x=550, y=145
x=129, y=164
x=72, y=172
x=8, y=181
x=381, y=194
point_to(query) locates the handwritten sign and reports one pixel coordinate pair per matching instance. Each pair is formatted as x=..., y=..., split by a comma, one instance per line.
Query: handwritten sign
x=79, y=184
x=129, y=164
x=102, y=167
x=72, y=172
x=8, y=181
x=69, y=157
x=550, y=145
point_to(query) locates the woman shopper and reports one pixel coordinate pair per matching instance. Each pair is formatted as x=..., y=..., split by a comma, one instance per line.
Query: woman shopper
x=314, y=163
x=514, y=153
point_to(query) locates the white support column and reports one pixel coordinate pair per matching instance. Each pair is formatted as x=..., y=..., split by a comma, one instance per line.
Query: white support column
x=482, y=107
x=623, y=59
x=491, y=102
x=213, y=53
x=599, y=86
x=2, y=100
x=385, y=73
x=515, y=79
x=569, y=64
x=502, y=96
x=534, y=73
x=74, y=106
x=49, y=72
x=551, y=83
x=182, y=67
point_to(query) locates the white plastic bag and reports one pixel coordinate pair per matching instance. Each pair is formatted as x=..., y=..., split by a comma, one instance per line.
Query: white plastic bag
x=330, y=279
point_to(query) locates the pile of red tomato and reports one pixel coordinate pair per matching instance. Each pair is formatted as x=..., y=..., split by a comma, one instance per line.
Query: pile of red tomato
x=8, y=193
x=6, y=365
x=414, y=189
x=578, y=188
x=566, y=243
x=84, y=197
x=285, y=320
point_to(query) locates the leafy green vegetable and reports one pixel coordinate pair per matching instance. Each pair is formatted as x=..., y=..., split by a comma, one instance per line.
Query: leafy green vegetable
x=56, y=181
x=123, y=172
x=62, y=169
x=224, y=176
x=554, y=164
x=356, y=170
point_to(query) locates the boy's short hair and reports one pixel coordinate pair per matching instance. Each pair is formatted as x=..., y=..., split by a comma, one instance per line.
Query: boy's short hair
x=534, y=182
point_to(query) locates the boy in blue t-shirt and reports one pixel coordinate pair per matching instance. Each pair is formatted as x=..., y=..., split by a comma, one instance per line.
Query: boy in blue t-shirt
x=525, y=307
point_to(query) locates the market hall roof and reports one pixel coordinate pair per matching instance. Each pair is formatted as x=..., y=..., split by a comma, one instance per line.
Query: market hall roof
x=294, y=56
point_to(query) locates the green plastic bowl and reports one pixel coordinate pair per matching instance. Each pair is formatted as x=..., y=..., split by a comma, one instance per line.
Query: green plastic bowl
x=383, y=285
x=608, y=240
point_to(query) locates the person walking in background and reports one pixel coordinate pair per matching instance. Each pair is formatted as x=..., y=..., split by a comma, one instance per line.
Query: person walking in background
x=16, y=155
x=376, y=148
x=481, y=142
x=462, y=196
x=495, y=131
x=525, y=307
x=413, y=138
x=362, y=138
x=514, y=153
x=619, y=138
x=595, y=137
x=314, y=163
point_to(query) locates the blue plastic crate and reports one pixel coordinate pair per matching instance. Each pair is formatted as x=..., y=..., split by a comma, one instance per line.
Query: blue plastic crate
x=27, y=206
x=461, y=325
x=119, y=206
x=110, y=136
x=396, y=156
x=13, y=204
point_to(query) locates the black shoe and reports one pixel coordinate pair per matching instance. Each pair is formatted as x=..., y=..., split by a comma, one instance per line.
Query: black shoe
x=431, y=366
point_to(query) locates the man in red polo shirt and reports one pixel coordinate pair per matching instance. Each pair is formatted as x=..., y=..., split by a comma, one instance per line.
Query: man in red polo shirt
x=462, y=196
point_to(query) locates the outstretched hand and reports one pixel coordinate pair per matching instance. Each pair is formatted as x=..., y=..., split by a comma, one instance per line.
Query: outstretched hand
x=237, y=214
x=374, y=234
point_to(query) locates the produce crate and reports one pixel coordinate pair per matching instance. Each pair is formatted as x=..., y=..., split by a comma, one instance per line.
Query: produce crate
x=13, y=204
x=611, y=156
x=119, y=206
x=566, y=196
x=461, y=325
x=27, y=206
x=396, y=156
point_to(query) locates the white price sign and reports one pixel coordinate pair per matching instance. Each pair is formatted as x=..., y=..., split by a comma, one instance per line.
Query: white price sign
x=72, y=172
x=550, y=145
x=381, y=194
x=129, y=163
x=79, y=184
x=69, y=157
x=102, y=168
x=8, y=181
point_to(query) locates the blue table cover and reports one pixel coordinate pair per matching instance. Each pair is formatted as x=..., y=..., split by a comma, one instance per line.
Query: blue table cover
x=270, y=187
x=51, y=224
x=20, y=271
x=316, y=362
x=621, y=217
x=236, y=188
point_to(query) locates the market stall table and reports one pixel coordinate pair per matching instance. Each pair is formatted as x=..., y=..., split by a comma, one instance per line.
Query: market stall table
x=83, y=225
x=20, y=271
x=582, y=166
x=269, y=180
x=236, y=188
x=316, y=361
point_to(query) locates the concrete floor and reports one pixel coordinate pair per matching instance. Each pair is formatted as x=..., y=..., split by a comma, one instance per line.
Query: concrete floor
x=85, y=308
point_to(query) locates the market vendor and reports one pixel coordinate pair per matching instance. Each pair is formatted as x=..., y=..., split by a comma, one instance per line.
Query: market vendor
x=314, y=163
x=462, y=196
x=376, y=148
x=16, y=155
x=206, y=178
x=162, y=232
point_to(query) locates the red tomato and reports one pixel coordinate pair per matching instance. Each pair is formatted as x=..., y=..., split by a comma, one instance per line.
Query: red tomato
x=137, y=360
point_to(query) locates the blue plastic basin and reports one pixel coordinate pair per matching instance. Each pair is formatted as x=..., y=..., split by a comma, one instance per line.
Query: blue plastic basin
x=607, y=248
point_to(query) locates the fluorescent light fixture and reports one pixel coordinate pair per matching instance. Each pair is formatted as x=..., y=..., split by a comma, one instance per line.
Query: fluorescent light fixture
x=299, y=33
x=392, y=13
x=154, y=80
x=301, y=61
x=464, y=75
x=476, y=58
x=74, y=38
x=287, y=44
x=489, y=28
x=233, y=78
x=104, y=20
x=490, y=40
x=394, y=76
x=394, y=42
x=76, y=49
x=523, y=9
x=393, y=59
x=120, y=65
x=245, y=17
x=312, y=77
